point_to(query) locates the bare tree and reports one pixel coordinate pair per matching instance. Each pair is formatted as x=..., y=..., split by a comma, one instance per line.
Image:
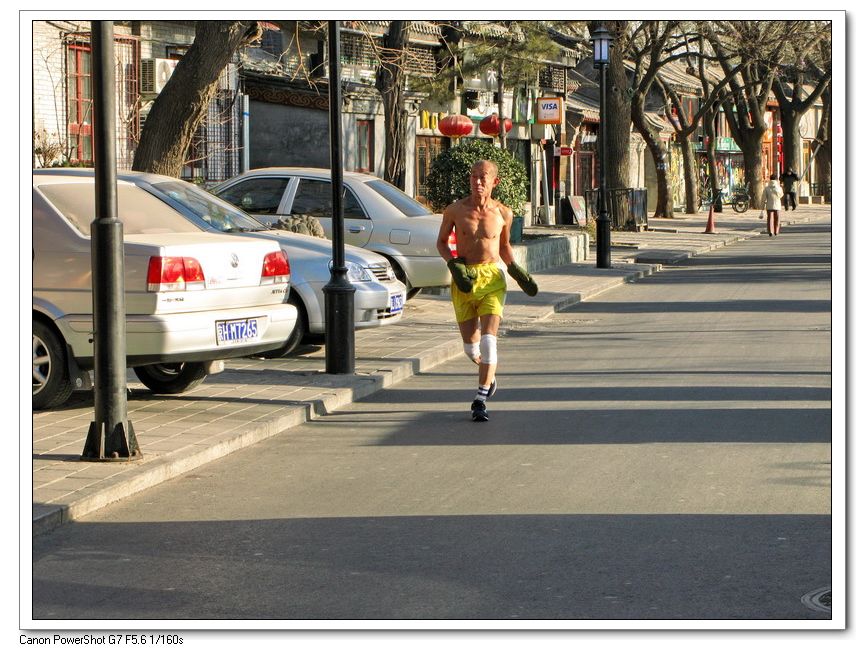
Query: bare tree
x=823, y=154
x=390, y=82
x=811, y=53
x=756, y=46
x=182, y=105
x=714, y=89
x=646, y=47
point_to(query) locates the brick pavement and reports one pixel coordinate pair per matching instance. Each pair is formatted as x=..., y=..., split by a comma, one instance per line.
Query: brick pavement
x=254, y=398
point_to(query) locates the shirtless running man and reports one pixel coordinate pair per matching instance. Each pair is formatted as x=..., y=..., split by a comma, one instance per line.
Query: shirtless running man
x=478, y=288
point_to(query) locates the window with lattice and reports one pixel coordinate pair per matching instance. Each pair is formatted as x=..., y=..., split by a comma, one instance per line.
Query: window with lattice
x=552, y=77
x=357, y=50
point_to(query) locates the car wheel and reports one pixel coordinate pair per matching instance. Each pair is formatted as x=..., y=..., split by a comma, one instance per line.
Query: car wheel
x=52, y=384
x=410, y=291
x=171, y=378
x=301, y=329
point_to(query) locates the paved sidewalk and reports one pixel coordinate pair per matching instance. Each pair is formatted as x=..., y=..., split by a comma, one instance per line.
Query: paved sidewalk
x=254, y=399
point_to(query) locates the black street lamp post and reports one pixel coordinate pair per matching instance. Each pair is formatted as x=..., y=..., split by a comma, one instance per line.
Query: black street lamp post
x=110, y=436
x=601, y=42
x=339, y=292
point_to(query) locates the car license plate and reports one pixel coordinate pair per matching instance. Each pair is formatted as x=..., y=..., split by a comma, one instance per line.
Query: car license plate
x=237, y=332
x=396, y=303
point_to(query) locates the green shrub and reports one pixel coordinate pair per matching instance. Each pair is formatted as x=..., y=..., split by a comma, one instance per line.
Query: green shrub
x=448, y=179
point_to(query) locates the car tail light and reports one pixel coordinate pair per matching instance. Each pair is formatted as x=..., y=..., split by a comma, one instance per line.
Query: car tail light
x=275, y=268
x=174, y=274
x=452, y=243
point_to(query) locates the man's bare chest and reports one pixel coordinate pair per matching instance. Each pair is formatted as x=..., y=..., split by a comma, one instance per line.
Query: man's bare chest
x=483, y=224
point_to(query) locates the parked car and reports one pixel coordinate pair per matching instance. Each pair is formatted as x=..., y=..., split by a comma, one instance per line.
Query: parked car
x=378, y=299
x=192, y=297
x=378, y=216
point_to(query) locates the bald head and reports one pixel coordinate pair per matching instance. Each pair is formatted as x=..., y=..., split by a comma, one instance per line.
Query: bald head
x=486, y=165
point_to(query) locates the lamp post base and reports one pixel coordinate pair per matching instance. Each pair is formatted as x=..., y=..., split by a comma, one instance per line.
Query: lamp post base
x=339, y=327
x=603, y=243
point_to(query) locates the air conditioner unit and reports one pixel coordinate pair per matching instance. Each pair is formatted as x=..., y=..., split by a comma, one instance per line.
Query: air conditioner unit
x=155, y=74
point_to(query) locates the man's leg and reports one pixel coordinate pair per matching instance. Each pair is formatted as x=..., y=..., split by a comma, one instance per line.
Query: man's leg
x=471, y=336
x=489, y=350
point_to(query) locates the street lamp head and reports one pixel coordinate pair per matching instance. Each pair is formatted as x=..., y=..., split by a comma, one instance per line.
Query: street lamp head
x=601, y=44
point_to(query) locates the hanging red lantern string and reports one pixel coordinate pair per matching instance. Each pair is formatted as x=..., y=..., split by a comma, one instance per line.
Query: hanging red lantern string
x=456, y=126
x=490, y=125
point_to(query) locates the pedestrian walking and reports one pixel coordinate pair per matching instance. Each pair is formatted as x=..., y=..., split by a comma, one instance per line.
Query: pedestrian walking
x=772, y=204
x=790, y=181
x=478, y=287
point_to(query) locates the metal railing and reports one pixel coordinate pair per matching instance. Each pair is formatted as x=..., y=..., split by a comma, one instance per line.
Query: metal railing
x=822, y=189
x=627, y=207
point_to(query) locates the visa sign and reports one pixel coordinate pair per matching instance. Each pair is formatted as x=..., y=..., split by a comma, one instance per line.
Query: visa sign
x=549, y=110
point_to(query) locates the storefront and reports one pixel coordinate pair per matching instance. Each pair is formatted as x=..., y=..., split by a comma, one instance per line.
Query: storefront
x=729, y=167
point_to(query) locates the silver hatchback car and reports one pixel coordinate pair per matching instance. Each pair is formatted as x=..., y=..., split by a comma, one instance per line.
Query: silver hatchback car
x=192, y=297
x=378, y=216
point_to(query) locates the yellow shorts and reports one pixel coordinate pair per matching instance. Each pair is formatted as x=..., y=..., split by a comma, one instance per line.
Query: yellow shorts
x=487, y=295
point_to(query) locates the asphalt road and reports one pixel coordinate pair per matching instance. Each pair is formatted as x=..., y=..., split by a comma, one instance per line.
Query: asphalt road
x=661, y=452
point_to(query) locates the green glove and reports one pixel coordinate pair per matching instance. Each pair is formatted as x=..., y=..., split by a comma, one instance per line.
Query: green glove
x=464, y=277
x=526, y=282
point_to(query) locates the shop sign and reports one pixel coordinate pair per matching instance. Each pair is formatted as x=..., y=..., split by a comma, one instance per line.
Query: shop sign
x=549, y=110
x=726, y=144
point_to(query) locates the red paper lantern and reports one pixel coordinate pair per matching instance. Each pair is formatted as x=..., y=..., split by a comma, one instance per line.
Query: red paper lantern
x=490, y=124
x=456, y=126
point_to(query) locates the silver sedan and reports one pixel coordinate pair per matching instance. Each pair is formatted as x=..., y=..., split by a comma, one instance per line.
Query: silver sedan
x=378, y=216
x=378, y=299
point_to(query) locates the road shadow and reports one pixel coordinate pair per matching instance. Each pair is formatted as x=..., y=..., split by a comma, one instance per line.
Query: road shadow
x=471, y=567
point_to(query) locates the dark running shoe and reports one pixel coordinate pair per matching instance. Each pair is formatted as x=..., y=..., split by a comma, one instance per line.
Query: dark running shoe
x=493, y=387
x=479, y=411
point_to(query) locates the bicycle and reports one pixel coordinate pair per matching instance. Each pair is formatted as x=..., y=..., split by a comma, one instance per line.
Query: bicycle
x=740, y=200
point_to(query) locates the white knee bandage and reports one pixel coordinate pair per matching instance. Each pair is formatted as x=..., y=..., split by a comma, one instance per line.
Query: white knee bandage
x=472, y=350
x=489, y=352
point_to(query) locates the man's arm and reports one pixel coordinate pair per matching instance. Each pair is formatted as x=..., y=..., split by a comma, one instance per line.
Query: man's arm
x=442, y=243
x=463, y=277
x=506, y=253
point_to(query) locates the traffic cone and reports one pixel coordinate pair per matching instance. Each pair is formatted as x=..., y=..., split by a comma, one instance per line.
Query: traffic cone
x=710, y=223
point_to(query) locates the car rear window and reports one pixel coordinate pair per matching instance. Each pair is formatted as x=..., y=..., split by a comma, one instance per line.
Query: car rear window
x=210, y=209
x=140, y=212
x=399, y=199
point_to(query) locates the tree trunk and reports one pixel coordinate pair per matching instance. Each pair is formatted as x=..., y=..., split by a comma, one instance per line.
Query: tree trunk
x=711, y=160
x=823, y=163
x=689, y=168
x=664, y=205
x=182, y=105
x=618, y=115
x=752, y=154
x=792, y=144
x=390, y=81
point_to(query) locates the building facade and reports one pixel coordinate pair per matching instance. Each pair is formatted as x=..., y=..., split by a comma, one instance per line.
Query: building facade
x=272, y=103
